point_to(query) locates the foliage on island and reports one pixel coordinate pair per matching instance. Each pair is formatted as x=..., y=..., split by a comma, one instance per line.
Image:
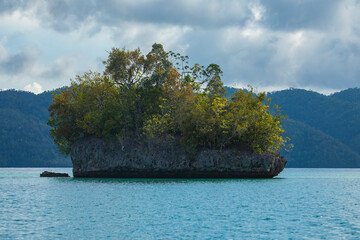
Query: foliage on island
x=159, y=95
x=25, y=140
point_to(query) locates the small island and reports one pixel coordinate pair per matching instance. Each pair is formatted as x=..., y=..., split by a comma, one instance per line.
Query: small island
x=156, y=116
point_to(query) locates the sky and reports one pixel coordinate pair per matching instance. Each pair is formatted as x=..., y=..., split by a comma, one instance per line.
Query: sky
x=270, y=45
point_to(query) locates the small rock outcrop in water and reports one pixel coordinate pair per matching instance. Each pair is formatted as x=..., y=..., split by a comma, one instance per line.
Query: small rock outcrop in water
x=53, y=174
x=95, y=157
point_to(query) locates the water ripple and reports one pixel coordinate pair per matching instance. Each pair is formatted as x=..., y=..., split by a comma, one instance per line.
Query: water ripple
x=300, y=204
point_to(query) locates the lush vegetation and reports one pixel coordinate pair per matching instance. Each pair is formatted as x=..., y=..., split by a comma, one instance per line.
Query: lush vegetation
x=323, y=129
x=158, y=95
x=313, y=148
x=24, y=135
x=351, y=95
x=25, y=140
x=332, y=115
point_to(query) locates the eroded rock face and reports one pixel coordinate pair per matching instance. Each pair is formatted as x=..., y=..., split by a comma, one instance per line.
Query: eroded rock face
x=98, y=157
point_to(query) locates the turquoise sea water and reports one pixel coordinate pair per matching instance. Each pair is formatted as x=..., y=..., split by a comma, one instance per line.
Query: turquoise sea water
x=298, y=204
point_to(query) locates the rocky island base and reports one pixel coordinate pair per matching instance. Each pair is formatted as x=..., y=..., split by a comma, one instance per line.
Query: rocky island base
x=53, y=174
x=104, y=158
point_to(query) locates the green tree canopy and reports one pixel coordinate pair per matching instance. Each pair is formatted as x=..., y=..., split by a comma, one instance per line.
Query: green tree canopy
x=159, y=95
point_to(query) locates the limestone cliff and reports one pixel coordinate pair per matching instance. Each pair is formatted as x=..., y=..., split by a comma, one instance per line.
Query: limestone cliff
x=95, y=157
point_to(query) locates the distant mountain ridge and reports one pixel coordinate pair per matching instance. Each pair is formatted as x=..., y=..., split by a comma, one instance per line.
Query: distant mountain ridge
x=338, y=118
x=351, y=95
x=325, y=130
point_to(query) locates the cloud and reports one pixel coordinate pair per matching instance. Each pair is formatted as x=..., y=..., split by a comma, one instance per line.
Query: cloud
x=28, y=68
x=195, y=13
x=300, y=14
x=13, y=5
x=34, y=87
x=60, y=67
x=19, y=62
x=134, y=35
x=29, y=61
x=64, y=16
x=268, y=44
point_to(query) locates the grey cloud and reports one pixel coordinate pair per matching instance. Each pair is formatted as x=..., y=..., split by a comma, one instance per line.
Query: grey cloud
x=29, y=63
x=321, y=65
x=280, y=14
x=300, y=14
x=329, y=56
x=195, y=13
x=273, y=59
x=335, y=64
x=19, y=62
x=12, y=5
x=64, y=16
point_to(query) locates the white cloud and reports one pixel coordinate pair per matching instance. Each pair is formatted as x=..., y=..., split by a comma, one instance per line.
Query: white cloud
x=268, y=44
x=133, y=35
x=34, y=87
x=257, y=11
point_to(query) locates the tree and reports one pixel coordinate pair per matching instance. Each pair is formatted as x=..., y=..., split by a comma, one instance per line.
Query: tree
x=149, y=96
x=83, y=109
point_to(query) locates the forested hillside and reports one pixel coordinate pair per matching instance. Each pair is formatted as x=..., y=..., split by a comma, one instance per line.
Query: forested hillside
x=24, y=134
x=351, y=95
x=325, y=130
x=313, y=148
x=337, y=118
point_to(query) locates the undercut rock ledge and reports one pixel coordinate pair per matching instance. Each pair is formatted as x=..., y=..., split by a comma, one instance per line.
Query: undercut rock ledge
x=105, y=158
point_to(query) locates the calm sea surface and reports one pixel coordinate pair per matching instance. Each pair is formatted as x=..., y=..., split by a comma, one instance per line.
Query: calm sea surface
x=298, y=204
